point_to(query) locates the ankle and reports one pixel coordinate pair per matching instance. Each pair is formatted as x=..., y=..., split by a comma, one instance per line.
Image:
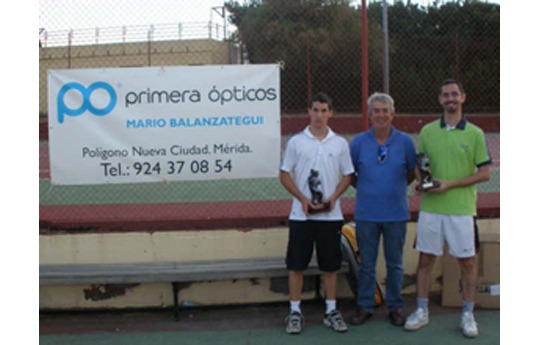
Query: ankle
x=468, y=307
x=422, y=303
x=330, y=305
x=295, y=307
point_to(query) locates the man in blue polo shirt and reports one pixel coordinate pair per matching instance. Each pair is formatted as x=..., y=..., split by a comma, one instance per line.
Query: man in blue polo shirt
x=459, y=160
x=384, y=159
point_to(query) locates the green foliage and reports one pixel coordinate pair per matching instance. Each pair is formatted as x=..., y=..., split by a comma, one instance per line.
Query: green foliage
x=319, y=42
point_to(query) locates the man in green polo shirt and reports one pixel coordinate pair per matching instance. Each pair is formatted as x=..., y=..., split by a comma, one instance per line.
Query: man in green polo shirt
x=459, y=159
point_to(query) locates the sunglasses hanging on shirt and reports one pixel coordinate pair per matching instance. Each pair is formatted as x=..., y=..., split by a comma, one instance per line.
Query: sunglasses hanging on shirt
x=382, y=154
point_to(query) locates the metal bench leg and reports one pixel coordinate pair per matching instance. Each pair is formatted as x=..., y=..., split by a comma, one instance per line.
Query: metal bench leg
x=176, y=307
x=318, y=295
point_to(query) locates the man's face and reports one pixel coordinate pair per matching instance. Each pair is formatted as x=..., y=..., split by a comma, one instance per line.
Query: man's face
x=381, y=115
x=451, y=98
x=319, y=114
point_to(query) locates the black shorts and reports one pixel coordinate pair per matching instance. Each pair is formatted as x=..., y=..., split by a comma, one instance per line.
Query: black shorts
x=326, y=235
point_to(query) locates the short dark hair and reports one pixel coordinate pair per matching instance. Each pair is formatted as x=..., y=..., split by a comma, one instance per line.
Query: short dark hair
x=451, y=81
x=321, y=97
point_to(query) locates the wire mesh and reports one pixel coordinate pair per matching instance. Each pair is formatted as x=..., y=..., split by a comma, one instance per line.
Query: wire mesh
x=318, y=44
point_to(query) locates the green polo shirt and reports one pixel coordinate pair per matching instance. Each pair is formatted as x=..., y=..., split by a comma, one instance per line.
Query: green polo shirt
x=453, y=154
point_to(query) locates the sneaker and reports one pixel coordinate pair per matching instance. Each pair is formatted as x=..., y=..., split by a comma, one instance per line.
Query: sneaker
x=294, y=322
x=335, y=320
x=469, y=327
x=417, y=320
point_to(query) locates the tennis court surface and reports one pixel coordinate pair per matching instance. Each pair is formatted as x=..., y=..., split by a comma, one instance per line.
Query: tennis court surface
x=257, y=324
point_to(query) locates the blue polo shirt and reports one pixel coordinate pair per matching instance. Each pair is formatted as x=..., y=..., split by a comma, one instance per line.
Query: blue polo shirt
x=381, y=187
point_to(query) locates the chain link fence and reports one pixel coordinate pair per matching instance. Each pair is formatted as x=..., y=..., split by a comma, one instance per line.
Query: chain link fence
x=317, y=42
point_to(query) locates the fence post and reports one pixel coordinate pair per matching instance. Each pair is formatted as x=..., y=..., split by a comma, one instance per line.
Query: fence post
x=150, y=36
x=365, y=80
x=70, y=38
x=308, y=67
x=386, y=57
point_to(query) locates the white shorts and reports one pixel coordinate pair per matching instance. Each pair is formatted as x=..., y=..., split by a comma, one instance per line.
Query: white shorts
x=457, y=231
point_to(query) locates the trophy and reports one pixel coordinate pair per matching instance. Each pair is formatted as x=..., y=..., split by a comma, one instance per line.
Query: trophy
x=316, y=194
x=426, y=180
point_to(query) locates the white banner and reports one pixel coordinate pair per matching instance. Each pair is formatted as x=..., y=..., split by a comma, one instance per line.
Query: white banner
x=152, y=124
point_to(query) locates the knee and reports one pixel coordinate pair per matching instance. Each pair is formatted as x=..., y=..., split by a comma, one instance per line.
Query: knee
x=468, y=264
x=296, y=275
x=426, y=261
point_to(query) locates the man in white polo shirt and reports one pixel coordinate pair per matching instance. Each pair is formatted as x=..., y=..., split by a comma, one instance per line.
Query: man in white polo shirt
x=316, y=169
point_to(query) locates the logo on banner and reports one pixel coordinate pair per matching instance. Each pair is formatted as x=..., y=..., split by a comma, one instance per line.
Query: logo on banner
x=86, y=104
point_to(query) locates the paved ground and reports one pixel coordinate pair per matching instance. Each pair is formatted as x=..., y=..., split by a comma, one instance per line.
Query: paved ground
x=255, y=324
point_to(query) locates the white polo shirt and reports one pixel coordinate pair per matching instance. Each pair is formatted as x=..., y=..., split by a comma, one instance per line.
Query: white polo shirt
x=330, y=157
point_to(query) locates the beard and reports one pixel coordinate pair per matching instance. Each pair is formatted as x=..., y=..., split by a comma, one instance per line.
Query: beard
x=451, y=107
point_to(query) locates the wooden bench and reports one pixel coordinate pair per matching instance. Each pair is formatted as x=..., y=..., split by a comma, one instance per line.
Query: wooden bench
x=171, y=272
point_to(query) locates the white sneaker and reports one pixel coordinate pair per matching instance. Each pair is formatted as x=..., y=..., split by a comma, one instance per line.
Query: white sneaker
x=294, y=322
x=417, y=320
x=335, y=320
x=469, y=327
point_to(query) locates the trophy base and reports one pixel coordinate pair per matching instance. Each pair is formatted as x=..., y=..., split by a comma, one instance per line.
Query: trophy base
x=427, y=186
x=325, y=208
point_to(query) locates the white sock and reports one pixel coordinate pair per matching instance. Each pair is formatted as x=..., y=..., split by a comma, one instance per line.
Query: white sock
x=295, y=306
x=330, y=305
x=422, y=303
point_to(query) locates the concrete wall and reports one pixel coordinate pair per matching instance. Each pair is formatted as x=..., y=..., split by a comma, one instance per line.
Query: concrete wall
x=191, y=246
x=160, y=53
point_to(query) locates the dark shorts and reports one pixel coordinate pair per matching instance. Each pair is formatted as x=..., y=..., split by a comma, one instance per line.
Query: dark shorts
x=326, y=235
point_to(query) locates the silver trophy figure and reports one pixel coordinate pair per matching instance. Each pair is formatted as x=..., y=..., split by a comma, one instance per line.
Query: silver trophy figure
x=426, y=179
x=314, y=184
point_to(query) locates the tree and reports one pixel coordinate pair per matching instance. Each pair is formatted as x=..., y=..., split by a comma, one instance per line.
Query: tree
x=319, y=41
x=322, y=35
